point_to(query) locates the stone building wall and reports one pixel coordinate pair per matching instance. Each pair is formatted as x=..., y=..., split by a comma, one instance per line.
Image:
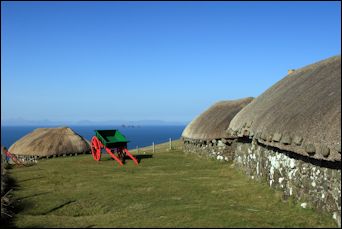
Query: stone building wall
x=311, y=182
x=221, y=149
x=29, y=159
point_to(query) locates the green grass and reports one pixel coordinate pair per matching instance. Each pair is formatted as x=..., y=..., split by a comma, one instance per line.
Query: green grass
x=170, y=189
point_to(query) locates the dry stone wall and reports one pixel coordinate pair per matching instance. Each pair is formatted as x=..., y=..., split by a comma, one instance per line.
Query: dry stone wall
x=313, y=183
x=221, y=149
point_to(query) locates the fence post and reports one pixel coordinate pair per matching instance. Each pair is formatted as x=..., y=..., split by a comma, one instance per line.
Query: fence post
x=170, y=143
x=153, y=146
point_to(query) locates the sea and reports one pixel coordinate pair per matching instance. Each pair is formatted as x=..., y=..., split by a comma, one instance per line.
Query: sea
x=138, y=136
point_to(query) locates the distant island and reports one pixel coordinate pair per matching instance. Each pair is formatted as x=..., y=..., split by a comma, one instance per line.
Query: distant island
x=129, y=126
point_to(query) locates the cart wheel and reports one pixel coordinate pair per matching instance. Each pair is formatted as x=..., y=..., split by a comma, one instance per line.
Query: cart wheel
x=122, y=155
x=95, y=148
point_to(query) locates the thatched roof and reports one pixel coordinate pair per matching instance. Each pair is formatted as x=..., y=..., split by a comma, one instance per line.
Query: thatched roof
x=300, y=113
x=50, y=141
x=212, y=123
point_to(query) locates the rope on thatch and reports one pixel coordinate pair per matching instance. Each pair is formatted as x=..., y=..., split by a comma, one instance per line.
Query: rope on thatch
x=213, y=122
x=300, y=113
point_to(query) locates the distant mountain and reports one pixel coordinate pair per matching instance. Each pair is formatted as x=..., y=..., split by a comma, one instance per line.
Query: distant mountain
x=155, y=123
x=46, y=122
x=24, y=122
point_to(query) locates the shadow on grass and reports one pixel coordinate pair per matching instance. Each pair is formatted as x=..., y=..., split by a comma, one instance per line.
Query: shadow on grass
x=10, y=210
x=139, y=157
x=16, y=205
x=34, y=178
x=59, y=206
x=37, y=194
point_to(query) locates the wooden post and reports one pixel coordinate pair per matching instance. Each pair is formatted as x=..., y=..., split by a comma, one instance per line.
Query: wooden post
x=170, y=143
x=153, y=146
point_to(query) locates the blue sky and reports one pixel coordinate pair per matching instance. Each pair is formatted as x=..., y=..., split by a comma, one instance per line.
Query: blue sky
x=153, y=60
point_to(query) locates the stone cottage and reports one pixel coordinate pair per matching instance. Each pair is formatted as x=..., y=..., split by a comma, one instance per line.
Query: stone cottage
x=49, y=142
x=290, y=136
x=206, y=134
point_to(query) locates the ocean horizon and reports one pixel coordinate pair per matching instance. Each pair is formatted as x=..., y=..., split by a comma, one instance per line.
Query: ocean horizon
x=138, y=136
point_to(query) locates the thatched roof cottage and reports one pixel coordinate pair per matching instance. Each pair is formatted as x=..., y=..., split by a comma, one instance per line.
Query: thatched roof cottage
x=205, y=131
x=291, y=136
x=44, y=142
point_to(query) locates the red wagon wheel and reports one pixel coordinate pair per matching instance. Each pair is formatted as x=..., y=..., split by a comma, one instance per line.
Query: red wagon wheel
x=121, y=154
x=95, y=148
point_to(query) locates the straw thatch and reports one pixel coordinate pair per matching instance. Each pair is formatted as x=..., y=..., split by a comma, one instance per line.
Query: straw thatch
x=50, y=141
x=300, y=113
x=212, y=123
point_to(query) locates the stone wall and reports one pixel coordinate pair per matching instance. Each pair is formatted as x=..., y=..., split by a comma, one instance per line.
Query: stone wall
x=28, y=159
x=312, y=182
x=221, y=149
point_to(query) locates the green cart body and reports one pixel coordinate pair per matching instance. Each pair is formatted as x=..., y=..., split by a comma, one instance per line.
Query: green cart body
x=111, y=138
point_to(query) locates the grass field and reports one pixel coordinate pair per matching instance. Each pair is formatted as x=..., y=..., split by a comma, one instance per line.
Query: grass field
x=167, y=189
